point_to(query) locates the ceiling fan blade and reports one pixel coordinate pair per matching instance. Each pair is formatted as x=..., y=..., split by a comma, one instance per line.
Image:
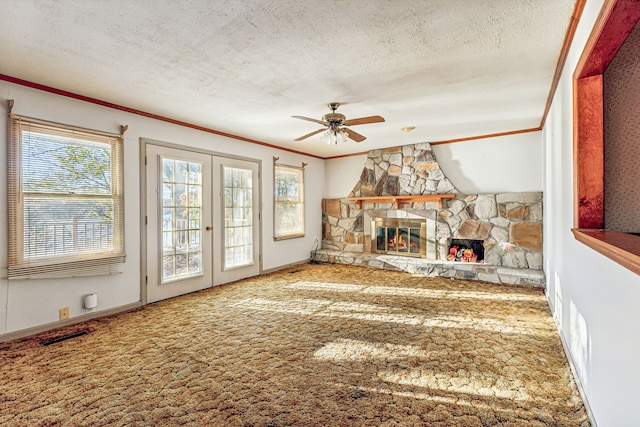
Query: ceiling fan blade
x=354, y=135
x=309, y=134
x=308, y=119
x=364, y=120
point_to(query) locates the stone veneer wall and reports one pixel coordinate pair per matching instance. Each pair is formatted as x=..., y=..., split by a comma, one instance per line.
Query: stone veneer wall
x=407, y=170
x=509, y=223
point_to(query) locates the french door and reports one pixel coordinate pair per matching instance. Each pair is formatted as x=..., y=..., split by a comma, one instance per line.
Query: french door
x=202, y=221
x=236, y=219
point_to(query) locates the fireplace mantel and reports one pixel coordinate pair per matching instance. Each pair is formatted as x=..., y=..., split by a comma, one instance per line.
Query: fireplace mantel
x=408, y=198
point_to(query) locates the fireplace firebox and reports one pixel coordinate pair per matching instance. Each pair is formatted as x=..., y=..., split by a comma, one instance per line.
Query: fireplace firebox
x=399, y=236
x=466, y=250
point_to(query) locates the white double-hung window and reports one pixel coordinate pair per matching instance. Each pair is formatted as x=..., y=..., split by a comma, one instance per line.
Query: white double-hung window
x=66, y=201
x=288, y=201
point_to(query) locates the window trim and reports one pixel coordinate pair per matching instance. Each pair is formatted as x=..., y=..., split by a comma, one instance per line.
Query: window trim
x=301, y=192
x=80, y=264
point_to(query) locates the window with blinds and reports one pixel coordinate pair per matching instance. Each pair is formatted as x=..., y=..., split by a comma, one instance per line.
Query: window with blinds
x=66, y=201
x=289, y=202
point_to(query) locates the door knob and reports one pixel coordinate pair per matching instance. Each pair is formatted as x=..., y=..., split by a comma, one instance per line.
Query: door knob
x=208, y=228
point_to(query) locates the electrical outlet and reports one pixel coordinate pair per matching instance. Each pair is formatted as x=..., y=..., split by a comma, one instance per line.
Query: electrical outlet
x=64, y=313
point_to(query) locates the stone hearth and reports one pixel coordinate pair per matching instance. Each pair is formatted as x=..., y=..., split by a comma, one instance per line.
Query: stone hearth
x=418, y=266
x=509, y=224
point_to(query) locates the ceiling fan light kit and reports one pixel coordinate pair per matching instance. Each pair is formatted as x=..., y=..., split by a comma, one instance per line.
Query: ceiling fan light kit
x=336, y=124
x=334, y=136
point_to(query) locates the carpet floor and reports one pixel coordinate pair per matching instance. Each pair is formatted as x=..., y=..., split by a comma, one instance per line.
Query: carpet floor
x=314, y=345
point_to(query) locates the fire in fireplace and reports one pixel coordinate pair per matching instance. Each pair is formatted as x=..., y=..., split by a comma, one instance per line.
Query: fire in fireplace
x=400, y=236
x=466, y=250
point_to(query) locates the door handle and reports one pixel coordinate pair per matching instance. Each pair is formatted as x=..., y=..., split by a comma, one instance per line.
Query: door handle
x=208, y=228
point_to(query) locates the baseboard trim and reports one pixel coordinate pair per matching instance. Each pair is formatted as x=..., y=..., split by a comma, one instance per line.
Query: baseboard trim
x=574, y=371
x=23, y=333
x=282, y=267
x=72, y=321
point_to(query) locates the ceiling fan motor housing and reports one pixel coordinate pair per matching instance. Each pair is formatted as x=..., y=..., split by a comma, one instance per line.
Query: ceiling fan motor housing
x=334, y=119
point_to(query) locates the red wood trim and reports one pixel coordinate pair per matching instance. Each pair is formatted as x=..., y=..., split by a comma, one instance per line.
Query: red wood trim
x=576, y=139
x=96, y=101
x=346, y=155
x=491, y=135
x=613, y=25
x=596, y=31
x=615, y=21
x=562, y=59
x=620, y=247
x=451, y=141
x=589, y=150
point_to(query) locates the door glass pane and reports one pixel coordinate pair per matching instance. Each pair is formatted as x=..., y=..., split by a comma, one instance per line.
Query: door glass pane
x=181, y=171
x=181, y=222
x=238, y=212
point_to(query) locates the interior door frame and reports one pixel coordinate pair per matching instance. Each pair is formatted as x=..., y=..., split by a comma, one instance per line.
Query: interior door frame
x=143, y=202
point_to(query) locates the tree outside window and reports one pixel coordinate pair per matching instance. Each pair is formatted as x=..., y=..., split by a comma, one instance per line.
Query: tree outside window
x=289, y=201
x=66, y=200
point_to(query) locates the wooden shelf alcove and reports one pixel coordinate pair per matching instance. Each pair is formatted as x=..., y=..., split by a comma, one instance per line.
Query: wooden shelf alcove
x=397, y=199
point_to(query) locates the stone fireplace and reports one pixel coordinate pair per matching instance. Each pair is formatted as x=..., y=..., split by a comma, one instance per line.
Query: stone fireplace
x=506, y=226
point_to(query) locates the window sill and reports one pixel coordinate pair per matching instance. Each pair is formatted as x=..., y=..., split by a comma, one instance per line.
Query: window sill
x=288, y=236
x=620, y=247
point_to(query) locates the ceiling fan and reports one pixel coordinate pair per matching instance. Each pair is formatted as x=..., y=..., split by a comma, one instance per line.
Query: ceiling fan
x=336, y=131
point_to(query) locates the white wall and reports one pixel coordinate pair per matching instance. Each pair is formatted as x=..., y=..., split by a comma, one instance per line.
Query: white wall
x=511, y=163
x=341, y=175
x=30, y=303
x=594, y=300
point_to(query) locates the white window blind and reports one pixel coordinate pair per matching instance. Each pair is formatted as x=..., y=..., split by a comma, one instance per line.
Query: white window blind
x=66, y=200
x=289, y=201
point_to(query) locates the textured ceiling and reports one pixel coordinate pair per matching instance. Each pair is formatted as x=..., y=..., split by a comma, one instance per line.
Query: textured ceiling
x=451, y=68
